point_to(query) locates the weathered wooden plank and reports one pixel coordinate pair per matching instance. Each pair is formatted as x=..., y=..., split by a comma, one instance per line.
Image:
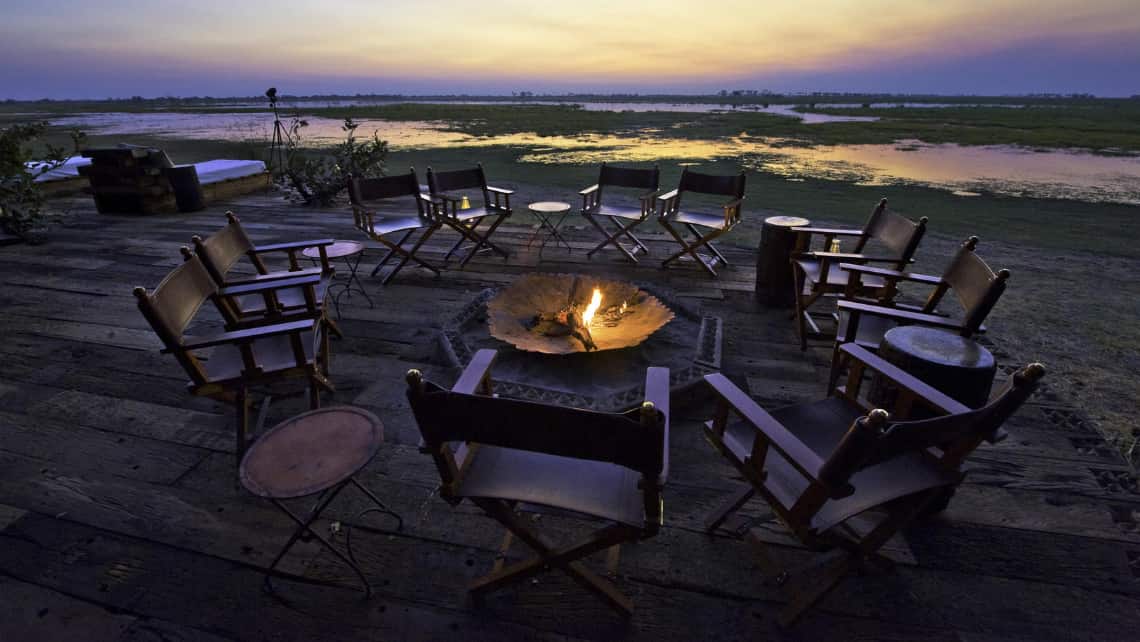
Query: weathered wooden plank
x=141, y=577
x=29, y=612
x=71, y=445
x=178, y=425
x=240, y=529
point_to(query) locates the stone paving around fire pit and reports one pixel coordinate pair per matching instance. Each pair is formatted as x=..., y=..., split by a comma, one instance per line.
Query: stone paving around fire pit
x=120, y=519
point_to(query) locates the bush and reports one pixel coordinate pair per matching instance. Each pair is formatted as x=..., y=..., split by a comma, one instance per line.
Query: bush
x=320, y=180
x=21, y=200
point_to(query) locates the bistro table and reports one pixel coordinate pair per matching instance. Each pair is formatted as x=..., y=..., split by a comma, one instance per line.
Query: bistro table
x=315, y=453
x=345, y=250
x=545, y=211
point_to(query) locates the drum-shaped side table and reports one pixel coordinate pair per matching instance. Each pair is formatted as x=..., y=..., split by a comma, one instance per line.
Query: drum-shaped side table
x=315, y=453
x=773, y=262
x=955, y=365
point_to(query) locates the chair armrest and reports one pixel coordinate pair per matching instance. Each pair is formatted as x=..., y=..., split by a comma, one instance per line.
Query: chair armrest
x=476, y=376
x=589, y=190
x=500, y=190
x=293, y=245
x=272, y=284
x=846, y=256
x=249, y=334
x=923, y=318
x=668, y=196
x=797, y=453
x=828, y=230
x=275, y=276
x=657, y=392
x=892, y=274
x=931, y=395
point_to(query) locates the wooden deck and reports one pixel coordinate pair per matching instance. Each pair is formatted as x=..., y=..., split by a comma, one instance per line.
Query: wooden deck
x=120, y=520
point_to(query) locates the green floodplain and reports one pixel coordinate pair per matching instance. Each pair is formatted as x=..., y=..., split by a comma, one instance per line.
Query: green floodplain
x=1073, y=301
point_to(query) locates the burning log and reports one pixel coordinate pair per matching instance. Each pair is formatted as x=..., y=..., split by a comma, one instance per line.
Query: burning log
x=563, y=314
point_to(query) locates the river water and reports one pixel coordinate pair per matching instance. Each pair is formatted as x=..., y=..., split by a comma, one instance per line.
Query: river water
x=964, y=170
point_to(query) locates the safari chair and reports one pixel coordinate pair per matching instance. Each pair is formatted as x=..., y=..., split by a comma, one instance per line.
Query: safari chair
x=364, y=194
x=820, y=465
x=819, y=273
x=672, y=216
x=976, y=287
x=301, y=293
x=507, y=456
x=461, y=216
x=622, y=218
x=227, y=366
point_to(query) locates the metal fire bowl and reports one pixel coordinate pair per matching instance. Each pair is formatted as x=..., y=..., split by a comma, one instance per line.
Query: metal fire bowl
x=510, y=312
x=610, y=381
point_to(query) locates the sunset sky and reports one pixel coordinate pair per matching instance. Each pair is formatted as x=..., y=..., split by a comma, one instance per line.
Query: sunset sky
x=93, y=49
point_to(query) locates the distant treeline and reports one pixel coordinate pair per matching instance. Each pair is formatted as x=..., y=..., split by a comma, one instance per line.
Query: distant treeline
x=723, y=97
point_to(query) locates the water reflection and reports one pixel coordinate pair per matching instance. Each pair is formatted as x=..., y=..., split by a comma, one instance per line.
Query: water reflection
x=963, y=170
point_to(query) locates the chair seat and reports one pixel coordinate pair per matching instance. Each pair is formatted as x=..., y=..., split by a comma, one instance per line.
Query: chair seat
x=382, y=225
x=616, y=211
x=273, y=354
x=836, y=276
x=289, y=298
x=473, y=213
x=715, y=221
x=592, y=488
x=820, y=426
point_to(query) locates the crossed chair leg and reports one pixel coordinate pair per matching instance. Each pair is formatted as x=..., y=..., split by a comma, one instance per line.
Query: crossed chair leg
x=806, y=585
x=397, y=249
x=691, y=248
x=548, y=556
x=615, y=237
x=479, y=241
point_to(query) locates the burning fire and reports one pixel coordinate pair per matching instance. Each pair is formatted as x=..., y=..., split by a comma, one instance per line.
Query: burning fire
x=595, y=303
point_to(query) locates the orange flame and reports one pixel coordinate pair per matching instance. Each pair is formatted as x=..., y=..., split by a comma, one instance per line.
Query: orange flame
x=595, y=303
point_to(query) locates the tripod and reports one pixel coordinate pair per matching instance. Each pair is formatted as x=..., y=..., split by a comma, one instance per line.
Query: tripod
x=280, y=135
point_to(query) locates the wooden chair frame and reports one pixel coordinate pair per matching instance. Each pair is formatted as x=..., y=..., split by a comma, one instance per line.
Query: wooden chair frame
x=934, y=448
x=882, y=224
x=670, y=214
x=496, y=206
x=223, y=249
x=976, y=287
x=377, y=226
x=470, y=415
x=647, y=179
x=173, y=305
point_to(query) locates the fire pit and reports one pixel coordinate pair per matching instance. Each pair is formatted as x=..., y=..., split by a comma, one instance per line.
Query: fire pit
x=604, y=379
x=565, y=313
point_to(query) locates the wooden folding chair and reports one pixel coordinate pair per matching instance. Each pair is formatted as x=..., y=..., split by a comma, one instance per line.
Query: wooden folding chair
x=461, y=216
x=818, y=273
x=507, y=456
x=229, y=365
x=976, y=287
x=671, y=216
x=365, y=192
x=821, y=464
x=301, y=294
x=645, y=180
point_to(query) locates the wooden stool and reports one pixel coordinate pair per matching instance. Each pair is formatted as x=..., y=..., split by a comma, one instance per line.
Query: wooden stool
x=315, y=453
x=955, y=365
x=773, y=263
